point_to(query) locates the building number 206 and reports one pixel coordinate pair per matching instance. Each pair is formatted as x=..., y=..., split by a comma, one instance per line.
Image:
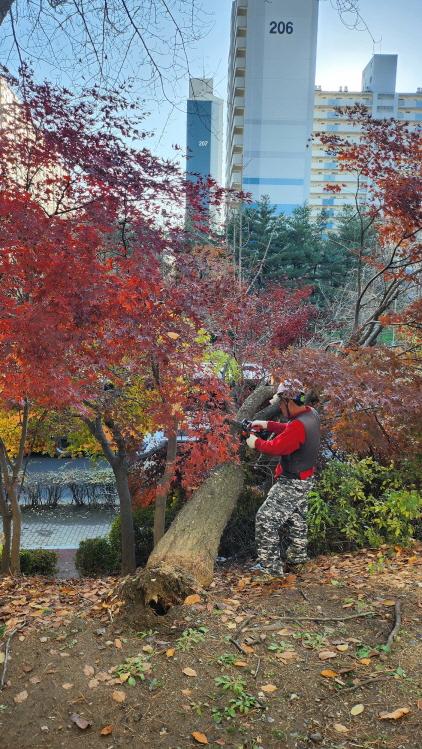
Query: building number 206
x=281, y=27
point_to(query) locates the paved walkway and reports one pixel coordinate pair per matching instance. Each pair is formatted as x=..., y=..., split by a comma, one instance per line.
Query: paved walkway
x=64, y=527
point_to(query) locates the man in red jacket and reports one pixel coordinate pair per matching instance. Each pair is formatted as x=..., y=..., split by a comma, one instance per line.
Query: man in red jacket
x=280, y=528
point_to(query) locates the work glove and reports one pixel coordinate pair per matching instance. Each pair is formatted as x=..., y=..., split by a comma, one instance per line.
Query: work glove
x=259, y=424
x=251, y=441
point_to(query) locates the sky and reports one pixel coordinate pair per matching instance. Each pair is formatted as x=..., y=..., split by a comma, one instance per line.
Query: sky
x=391, y=27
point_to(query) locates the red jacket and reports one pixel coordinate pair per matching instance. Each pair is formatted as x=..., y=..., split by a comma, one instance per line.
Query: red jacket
x=289, y=437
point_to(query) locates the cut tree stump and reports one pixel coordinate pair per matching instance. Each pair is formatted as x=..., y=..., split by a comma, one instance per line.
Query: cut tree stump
x=183, y=560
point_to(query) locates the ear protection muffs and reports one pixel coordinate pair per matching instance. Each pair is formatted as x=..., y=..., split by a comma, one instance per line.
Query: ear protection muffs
x=299, y=399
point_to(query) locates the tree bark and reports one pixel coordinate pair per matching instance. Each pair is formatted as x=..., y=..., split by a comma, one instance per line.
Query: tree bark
x=7, y=530
x=126, y=518
x=183, y=560
x=164, y=486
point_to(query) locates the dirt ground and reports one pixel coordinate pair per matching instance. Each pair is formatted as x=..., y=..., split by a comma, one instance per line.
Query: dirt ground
x=293, y=664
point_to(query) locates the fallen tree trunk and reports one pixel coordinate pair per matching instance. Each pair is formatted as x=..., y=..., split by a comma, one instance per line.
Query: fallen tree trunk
x=183, y=560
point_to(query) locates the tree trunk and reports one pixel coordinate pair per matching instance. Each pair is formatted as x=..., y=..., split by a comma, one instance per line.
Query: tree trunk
x=126, y=518
x=183, y=560
x=15, y=560
x=7, y=531
x=164, y=486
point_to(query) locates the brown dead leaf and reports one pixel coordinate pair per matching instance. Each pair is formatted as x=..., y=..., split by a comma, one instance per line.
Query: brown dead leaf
x=269, y=688
x=240, y=664
x=388, y=602
x=170, y=652
x=118, y=695
x=173, y=336
x=118, y=643
x=82, y=723
x=340, y=728
x=35, y=680
x=189, y=672
x=67, y=685
x=220, y=742
x=328, y=673
x=148, y=649
x=419, y=704
x=191, y=600
x=106, y=731
x=396, y=714
x=287, y=657
x=246, y=648
x=93, y=683
x=285, y=632
x=357, y=709
x=89, y=671
x=21, y=697
x=26, y=667
x=325, y=655
x=200, y=737
x=365, y=661
x=186, y=692
x=342, y=648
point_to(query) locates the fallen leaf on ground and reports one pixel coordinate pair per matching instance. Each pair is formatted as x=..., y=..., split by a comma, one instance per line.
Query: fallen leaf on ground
x=170, y=652
x=365, y=661
x=26, y=667
x=357, y=709
x=342, y=649
x=324, y=655
x=191, y=600
x=173, y=336
x=67, y=685
x=328, y=673
x=340, y=728
x=118, y=695
x=89, y=671
x=268, y=688
x=396, y=714
x=186, y=692
x=21, y=697
x=93, y=683
x=247, y=648
x=419, y=704
x=231, y=625
x=287, y=656
x=388, y=602
x=118, y=643
x=189, y=672
x=200, y=737
x=240, y=664
x=82, y=723
x=106, y=731
x=285, y=632
x=35, y=680
x=147, y=648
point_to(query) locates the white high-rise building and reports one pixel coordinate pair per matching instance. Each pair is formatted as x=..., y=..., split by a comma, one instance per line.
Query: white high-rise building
x=379, y=96
x=271, y=98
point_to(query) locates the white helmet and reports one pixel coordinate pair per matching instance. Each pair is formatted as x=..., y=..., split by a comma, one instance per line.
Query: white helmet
x=292, y=390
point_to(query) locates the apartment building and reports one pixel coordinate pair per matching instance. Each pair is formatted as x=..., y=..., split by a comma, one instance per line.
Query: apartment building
x=379, y=95
x=204, y=131
x=271, y=80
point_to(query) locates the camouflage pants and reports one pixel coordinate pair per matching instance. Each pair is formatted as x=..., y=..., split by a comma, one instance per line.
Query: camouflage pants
x=280, y=526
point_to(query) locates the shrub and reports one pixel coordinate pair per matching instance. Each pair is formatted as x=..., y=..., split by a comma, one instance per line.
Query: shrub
x=238, y=538
x=96, y=556
x=360, y=503
x=143, y=524
x=38, y=562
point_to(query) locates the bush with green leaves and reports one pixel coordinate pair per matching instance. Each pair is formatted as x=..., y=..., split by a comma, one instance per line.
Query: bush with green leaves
x=96, y=556
x=38, y=562
x=362, y=503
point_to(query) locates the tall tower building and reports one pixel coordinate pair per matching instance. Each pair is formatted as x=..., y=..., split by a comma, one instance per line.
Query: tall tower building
x=379, y=96
x=204, y=134
x=270, y=99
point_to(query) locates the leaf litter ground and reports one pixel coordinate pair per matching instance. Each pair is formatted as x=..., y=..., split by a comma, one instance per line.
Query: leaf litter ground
x=252, y=664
